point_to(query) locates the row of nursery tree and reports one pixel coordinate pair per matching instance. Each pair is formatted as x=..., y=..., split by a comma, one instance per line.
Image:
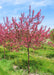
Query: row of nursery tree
x=25, y=32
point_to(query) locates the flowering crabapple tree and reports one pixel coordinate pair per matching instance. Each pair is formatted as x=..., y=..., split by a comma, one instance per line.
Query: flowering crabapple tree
x=7, y=35
x=26, y=31
x=10, y=35
x=11, y=42
x=30, y=34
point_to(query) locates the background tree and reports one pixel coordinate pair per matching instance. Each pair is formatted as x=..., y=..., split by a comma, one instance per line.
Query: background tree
x=52, y=35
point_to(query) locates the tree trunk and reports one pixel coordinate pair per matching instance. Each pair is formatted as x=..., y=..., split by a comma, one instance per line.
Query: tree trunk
x=28, y=60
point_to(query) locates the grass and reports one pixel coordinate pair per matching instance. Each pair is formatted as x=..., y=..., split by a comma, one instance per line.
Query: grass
x=41, y=61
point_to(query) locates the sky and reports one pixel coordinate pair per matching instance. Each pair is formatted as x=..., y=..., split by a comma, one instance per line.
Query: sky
x=14, y=8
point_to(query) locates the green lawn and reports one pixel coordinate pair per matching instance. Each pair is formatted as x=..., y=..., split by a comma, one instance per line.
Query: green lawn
x=41, y=61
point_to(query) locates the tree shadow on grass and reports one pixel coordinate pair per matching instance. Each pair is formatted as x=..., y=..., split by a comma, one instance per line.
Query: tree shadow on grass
x=34, y=66
x=50, y=55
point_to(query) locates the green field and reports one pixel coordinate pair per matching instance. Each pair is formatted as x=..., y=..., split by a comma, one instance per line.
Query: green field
x=15, y=63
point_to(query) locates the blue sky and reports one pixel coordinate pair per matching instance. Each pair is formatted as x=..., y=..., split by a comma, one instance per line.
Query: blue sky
x=16, y=7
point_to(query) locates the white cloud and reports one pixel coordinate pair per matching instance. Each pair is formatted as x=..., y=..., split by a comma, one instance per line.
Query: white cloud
x=34, y=3
x=14, y=1
x=42, y=3
x=31, y=2
x=0, y=7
